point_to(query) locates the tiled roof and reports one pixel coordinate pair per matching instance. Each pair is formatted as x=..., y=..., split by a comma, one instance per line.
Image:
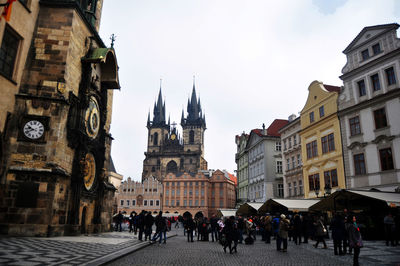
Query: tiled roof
x=232, y=178
x=273, y=129
x=332, y=88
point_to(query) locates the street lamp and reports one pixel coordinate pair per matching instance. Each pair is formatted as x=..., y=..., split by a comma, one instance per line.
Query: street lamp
x=316, y=190
x=327, y=189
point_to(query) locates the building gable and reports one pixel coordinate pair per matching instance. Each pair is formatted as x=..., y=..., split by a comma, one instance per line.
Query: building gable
x=368, y=34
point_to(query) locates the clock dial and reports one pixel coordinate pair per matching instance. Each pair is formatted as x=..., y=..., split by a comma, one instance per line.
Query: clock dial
x=92, y=118
x=89, y=171
x=33, y=129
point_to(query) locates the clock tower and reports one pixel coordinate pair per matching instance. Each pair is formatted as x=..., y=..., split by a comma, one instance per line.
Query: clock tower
x=168, y=152
x=57, y=140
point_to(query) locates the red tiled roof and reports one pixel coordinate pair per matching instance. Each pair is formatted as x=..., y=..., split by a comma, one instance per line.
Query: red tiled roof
x=332, y=88
x=273, y=129
x=232, y=178
x=258, y=132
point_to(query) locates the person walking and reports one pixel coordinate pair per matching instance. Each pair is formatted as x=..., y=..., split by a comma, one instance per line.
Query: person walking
x=214, y=227
x=148, y=225
x=190, y=226
x=161, y=228
x=241, y=226
x=140, y=224
x=338, y=232
x=320, y=232
x=355, y=240
x=120, y=218
x=297, y=226
x=131, y=222
x=390, y=229
x=268, y=228
x=283, y=233
x=227, y=233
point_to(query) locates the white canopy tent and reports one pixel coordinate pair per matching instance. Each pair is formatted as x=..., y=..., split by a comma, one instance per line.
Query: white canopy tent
x=300, y=205
x=226, y=212
x=249, y=208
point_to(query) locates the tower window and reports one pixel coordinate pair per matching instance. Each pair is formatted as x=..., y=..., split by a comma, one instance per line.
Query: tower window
x=8, y=52
x=172, y=167
x=155, y=142
x=191, y=137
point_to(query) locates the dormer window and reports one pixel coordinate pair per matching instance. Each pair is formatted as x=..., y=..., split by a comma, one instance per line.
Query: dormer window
x=365, y=54
x=376, y=48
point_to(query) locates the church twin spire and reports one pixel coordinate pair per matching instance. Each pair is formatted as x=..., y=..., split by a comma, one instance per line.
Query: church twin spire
x=195, y=115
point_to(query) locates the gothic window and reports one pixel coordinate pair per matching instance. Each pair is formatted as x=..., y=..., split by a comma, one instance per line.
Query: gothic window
x=172, y=167
x=155, y=143
x=191, y=137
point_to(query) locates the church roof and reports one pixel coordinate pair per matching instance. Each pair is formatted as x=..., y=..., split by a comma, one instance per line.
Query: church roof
x=273, y=129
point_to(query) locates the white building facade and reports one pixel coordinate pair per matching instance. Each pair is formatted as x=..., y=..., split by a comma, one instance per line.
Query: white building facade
x=369, y=109
x=265, y=163
x=242, y=166
x=291, y=157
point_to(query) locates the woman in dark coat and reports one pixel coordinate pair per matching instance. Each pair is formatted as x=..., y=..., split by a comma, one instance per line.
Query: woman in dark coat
x=355, y=240
x=320, y=232
x=227, y=231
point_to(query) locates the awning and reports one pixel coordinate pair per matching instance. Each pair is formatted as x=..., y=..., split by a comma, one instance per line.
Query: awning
x=249, y=208
x=226, y=212
x=301, y=205
x=357, y=200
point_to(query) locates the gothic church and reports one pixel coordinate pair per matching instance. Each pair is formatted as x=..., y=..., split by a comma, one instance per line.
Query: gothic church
x=167, y=151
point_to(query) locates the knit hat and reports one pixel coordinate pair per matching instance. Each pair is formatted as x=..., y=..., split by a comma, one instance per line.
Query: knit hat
x=283, y=216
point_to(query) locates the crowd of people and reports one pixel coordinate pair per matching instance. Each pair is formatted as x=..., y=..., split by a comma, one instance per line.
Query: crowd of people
x=296, y=227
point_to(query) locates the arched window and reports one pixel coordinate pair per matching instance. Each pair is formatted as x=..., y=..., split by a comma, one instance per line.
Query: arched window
x=155, y=143
x=191, y=137
x=172, y=167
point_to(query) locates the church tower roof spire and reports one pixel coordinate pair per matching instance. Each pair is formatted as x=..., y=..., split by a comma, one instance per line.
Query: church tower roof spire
x=195, y=114
x=159, y=118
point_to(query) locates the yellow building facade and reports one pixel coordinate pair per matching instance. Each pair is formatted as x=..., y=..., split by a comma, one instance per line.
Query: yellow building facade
x=323, y=171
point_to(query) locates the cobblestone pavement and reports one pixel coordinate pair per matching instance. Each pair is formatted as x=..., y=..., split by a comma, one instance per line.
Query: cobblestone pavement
x=69, y=250
x=178, y=252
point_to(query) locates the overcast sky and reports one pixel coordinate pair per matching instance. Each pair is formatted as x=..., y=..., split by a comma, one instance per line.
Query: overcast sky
x=253, y=61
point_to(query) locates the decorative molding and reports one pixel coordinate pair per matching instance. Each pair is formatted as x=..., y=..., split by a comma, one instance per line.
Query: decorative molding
x=357, y=144
x=382, y=138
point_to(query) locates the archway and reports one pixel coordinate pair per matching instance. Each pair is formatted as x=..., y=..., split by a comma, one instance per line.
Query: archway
x=187, y=214
x=199, y=215
x=172, y=167
x=83, y=221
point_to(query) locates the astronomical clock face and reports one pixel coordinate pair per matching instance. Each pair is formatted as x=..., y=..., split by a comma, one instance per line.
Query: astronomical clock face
x=92, y=118
x=89, y=171
x=33, y=129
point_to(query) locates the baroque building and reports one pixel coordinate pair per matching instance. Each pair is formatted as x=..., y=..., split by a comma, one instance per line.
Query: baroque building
x=167, y=151
x=291, y=157
x=369, y=109
x=265, y=162
x=202, y=193
x=58, y=78
x=242, y=166
x=321, y=145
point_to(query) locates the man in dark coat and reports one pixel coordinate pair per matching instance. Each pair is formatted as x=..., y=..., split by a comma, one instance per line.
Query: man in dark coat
x=297, y=226
x=214, y=227
x=120, y=218
x=148, y=225
x=140, y=224
x=161, y=228
x=338, y=232
x=190, y=225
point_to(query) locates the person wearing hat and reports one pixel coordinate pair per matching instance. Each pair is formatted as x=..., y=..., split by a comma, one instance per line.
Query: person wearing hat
x=283, y=233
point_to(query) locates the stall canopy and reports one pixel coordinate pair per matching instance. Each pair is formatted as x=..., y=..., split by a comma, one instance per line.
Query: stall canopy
x=357, y=200
x=284, y=205
x=249, y=208
x=226, y=212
